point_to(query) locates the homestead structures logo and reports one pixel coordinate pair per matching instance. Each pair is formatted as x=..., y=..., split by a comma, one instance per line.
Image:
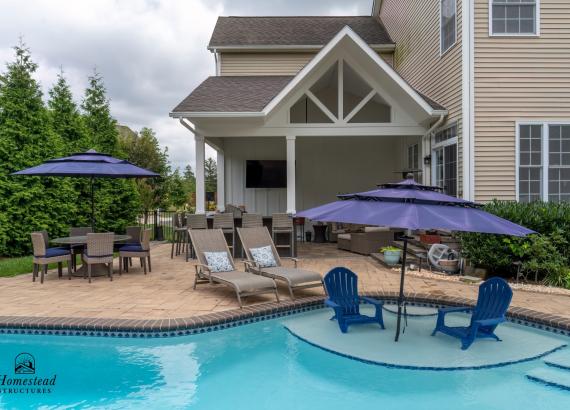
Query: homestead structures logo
x=26, y=381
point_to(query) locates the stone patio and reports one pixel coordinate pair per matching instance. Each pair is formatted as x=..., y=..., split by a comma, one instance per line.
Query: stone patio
x=167, y=292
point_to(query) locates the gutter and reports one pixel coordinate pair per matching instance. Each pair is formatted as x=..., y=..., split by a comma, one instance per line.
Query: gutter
x=288, y=48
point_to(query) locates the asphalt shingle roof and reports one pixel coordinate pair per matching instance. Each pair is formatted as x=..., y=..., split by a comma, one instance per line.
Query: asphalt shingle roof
x=242, y=94
x=294, y=31
x=233, y=94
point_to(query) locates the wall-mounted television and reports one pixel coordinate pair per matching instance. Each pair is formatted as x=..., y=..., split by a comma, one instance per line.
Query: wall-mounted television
x=266, y=174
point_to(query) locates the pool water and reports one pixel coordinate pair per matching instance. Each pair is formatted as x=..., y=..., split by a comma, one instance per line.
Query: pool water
x=256, y=366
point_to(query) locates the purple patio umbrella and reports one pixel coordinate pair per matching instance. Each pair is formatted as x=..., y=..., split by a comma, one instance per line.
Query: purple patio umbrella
x=409, y=205
x=90, y=164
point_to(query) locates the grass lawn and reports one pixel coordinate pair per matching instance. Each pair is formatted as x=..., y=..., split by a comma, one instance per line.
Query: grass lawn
x=17, y=266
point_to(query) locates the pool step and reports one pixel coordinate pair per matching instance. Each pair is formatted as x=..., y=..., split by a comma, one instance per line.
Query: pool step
x=560, y=360
x=550, y=376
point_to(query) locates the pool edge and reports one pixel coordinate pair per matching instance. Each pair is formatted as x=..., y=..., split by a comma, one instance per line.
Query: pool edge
x=236, y=317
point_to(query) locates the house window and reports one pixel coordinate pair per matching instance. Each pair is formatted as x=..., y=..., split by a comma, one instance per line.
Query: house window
x=543, y=162
x=530, y=163
x=448, y=24
x=444, y=160
x=514, y=17
x=414, y=157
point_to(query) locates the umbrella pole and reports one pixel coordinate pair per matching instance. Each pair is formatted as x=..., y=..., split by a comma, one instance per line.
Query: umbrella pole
x=401, y=295
x=92, y=207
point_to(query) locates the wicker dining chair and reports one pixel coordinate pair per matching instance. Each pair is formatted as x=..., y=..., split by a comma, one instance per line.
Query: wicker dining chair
x=225, y=222
x=99, y=250
x=77, y=249
x=194, y=221
x=141, y=251
x=283, y=224
x=43, y=256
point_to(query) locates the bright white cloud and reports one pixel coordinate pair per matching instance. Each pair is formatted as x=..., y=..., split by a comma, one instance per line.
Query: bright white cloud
x=151, y=53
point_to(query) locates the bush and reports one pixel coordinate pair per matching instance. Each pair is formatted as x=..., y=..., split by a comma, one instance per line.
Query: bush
x=547, y=253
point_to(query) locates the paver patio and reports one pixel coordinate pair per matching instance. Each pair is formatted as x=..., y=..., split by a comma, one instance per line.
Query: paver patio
x=167, y=291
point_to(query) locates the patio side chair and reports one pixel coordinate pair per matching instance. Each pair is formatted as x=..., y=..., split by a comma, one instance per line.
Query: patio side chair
x=225, y=222
x=141, y=251
x=283, y=224
x=194, y=221
x=135, y=233
x=77, y=249
x=99, y=250
x=251, y=220
x=43, y=256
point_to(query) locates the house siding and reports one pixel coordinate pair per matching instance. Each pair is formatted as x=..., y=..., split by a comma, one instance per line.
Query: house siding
x=269, y=63
x=414, y=26
x=516, y=78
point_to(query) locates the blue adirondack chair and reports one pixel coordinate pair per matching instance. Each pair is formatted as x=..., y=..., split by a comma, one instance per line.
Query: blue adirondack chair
x=494, y=299
x=342, y=289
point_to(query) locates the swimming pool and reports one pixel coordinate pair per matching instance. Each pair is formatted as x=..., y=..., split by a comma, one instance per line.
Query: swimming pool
x=262, y=366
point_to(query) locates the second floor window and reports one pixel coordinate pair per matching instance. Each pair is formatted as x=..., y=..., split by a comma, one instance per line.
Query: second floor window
x=448, y=24
x=513, y=17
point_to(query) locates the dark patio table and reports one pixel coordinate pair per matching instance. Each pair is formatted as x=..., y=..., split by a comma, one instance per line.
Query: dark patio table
x=98, y=269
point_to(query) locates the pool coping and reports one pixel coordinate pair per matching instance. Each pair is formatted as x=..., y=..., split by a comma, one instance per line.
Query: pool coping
x=248, y=314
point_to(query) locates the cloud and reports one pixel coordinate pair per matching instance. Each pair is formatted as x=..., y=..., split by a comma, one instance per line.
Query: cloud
x=151, y=53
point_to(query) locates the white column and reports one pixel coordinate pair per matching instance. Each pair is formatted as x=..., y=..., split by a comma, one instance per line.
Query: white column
x=200, y=179
x=221, y=187
x=291, y=199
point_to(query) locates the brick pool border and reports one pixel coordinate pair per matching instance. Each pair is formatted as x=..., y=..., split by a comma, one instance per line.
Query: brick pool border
x=143, y=328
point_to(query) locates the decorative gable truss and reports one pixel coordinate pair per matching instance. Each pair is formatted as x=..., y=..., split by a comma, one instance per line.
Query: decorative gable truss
x=340, y=96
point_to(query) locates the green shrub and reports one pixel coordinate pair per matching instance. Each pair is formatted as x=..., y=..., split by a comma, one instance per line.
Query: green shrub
x=547, y=253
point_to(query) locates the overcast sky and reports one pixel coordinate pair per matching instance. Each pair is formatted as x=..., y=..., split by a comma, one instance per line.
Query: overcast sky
x=151, y=53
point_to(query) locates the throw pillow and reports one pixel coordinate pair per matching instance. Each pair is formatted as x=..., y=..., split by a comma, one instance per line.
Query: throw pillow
x=263, y=256
x=218, y=261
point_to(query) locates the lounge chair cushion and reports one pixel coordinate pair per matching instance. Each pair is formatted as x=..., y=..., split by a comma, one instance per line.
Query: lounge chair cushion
x=244, y=281
x=218, y=261
x=263, y=256
x=293, y=275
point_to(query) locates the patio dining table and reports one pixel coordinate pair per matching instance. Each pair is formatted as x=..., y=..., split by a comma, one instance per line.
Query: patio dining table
x=98, y=269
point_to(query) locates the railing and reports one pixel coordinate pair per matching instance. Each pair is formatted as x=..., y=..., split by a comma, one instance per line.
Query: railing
x=159, y=221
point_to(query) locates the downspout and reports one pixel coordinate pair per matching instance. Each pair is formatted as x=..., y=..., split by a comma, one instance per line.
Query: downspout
x=427, y=135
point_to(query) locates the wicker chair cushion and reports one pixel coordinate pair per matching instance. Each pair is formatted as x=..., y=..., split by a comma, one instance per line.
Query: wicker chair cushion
x=132, y=248
x=218, y=261
x=263, y=256
x=53, y=252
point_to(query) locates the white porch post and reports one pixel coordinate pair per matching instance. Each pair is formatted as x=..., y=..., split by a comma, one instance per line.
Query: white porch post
x=291, y=199
x=221, y=186
x=200, y=179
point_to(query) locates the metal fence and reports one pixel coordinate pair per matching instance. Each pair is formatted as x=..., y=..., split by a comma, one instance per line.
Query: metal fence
x=160, y=222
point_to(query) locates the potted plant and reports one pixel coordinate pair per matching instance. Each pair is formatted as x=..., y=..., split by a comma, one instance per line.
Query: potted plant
x=391, y=255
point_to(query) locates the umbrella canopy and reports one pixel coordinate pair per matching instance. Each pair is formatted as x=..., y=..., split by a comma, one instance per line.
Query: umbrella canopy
x=409, y=205
x=90, y=164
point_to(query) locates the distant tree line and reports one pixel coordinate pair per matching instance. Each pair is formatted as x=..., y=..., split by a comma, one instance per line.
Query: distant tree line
x=33, y=130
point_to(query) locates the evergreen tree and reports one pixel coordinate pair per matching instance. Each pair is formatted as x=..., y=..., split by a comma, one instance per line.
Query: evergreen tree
x=65, y=118
x=211, y=175
x=116, y=200
x=67, y=122
x=26, y=139
x=177, y=194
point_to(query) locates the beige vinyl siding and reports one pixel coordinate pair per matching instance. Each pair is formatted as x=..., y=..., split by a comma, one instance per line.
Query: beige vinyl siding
x=269, y=63
x=516, y=78
x=415, y=26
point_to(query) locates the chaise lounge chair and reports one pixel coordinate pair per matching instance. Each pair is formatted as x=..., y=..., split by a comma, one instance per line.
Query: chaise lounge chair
x=342, y=287
x=263, y=259
x=216, y=265
x=494, y=299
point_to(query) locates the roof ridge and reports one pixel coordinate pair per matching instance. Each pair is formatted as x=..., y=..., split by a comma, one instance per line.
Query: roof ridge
x=307, y=16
